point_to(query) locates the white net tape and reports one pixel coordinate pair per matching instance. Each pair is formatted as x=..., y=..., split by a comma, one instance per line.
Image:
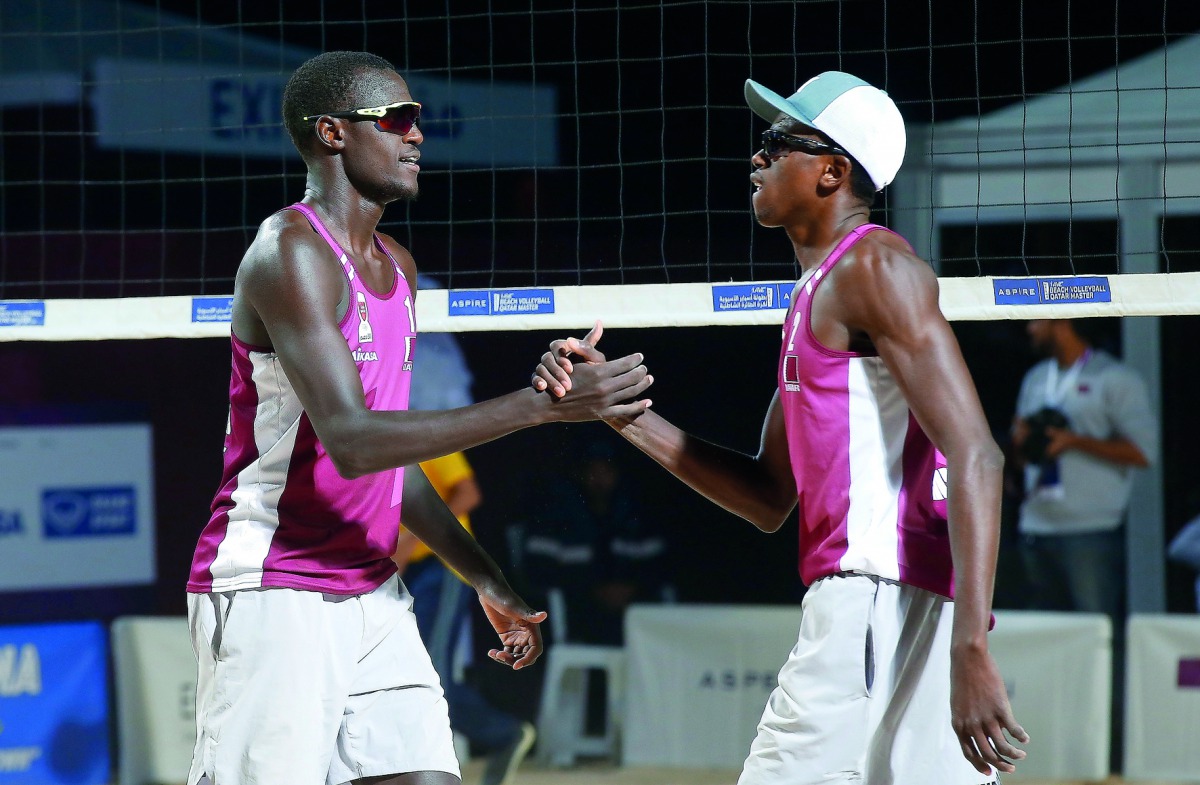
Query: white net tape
x=648, y=305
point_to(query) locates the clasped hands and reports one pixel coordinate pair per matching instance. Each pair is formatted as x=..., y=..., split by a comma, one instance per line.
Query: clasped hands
x=611, y=387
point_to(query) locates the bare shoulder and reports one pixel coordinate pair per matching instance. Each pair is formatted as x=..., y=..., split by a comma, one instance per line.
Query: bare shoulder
x=286, y=246
x=883, y=259
x=885, y=285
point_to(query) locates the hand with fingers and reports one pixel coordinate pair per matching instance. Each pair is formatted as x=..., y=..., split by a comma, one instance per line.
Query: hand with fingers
x=554, y=372
x=516, y=624
x=597, y=387
x=981, y=714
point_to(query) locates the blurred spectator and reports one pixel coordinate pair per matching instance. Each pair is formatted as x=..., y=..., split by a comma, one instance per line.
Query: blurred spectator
x=1083, y=425
x=1185, y=549
x=593, y=543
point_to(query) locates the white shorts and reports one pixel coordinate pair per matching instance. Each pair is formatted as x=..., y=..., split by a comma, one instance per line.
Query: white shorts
x=314, y=689
x=864, y=696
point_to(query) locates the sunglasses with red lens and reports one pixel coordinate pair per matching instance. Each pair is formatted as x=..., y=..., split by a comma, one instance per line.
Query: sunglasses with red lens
x=398, y=118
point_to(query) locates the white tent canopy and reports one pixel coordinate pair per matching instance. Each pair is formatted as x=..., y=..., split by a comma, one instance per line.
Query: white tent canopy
x=1073, y=152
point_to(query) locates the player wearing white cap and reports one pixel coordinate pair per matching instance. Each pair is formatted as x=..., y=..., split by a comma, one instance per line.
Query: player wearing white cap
x=877, y=435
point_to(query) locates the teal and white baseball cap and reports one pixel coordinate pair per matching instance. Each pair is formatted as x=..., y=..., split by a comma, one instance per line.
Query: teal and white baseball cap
x=862, y=119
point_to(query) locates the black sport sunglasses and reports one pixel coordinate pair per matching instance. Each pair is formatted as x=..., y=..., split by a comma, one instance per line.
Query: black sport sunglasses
x=776, y=144
x=398, y=118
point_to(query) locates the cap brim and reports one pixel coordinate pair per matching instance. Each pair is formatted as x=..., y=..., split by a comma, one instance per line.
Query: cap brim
x=769, y=104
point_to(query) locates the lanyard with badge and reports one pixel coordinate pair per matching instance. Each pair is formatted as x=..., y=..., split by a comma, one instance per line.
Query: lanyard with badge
x=1049, y=483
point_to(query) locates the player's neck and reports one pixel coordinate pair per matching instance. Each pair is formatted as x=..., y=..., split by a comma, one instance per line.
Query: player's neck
x=348, y=215
x=814, y=241
x=1068, y=353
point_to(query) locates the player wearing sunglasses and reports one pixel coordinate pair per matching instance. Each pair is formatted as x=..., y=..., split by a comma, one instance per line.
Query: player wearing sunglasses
x=398, y=118
x=876, y=436
x=311, y=668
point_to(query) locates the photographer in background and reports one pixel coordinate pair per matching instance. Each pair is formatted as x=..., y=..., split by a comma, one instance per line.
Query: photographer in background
x=1083, y=424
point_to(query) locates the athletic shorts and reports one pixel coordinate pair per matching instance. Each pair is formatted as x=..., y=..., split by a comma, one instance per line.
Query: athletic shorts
x=864, y=696
x=307, y=688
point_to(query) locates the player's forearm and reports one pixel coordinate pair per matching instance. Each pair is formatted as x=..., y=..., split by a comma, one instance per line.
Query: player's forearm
x=427, y=517
x=974, y=518
x=363, y=442
x=733, y=480
x=463, y=554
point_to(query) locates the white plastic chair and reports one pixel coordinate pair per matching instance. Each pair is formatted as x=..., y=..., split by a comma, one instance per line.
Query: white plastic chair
x=562, y=715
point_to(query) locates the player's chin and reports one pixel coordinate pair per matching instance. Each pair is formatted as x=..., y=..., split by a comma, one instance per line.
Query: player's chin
x=764, y=215
x=403, y=190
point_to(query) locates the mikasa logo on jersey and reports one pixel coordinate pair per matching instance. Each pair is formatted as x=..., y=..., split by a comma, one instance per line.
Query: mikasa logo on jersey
x=365, y=357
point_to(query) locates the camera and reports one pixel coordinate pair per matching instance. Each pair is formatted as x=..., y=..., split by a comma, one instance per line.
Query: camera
x=1034, y=448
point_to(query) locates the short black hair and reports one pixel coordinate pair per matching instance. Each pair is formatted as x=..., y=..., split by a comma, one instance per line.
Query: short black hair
x=324, y=83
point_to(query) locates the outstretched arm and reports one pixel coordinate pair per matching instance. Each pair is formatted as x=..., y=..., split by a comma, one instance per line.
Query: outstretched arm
x=428, y=517
x=289, y=296
x=759, y=488
x=895, y=303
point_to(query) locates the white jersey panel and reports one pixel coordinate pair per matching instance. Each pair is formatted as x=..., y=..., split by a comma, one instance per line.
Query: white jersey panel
x=254, y=518
x=878, y=423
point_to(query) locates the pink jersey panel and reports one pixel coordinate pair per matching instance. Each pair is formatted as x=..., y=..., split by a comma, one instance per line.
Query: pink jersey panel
x=283, y=516
x=866, y=474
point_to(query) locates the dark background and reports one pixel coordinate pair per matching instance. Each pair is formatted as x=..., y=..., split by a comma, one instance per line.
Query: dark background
x=652, y=188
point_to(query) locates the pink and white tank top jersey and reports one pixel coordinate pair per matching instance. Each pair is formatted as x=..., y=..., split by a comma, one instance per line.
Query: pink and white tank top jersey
x=283, y=516
x=871, y=486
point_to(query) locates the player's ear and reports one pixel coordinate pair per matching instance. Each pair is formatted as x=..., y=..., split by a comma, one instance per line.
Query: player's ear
x=837, y=170
x=331, y=133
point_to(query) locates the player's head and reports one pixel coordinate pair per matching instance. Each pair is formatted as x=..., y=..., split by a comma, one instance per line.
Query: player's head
x=860, y=120
x=339, y=82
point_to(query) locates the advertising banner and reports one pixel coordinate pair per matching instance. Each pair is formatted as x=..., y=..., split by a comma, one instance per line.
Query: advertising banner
x=76, y=506
x=192, y=108
x=54, y=705
x=699, y=677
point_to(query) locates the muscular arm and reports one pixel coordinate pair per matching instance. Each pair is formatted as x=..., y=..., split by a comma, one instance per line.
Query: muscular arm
x=461, y=499
x=427, y=516
x=759, y=488
x=895, y=303
x=289, y=290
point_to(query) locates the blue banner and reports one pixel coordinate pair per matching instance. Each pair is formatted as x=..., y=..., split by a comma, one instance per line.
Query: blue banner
x=751, y=296
x=54, y=705
x=212, y=309
x=89, y=512
x=1065, y=289
x=500, y=302
x=22, y=313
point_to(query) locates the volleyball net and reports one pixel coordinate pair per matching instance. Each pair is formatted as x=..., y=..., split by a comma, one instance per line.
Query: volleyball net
x=592, y=161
